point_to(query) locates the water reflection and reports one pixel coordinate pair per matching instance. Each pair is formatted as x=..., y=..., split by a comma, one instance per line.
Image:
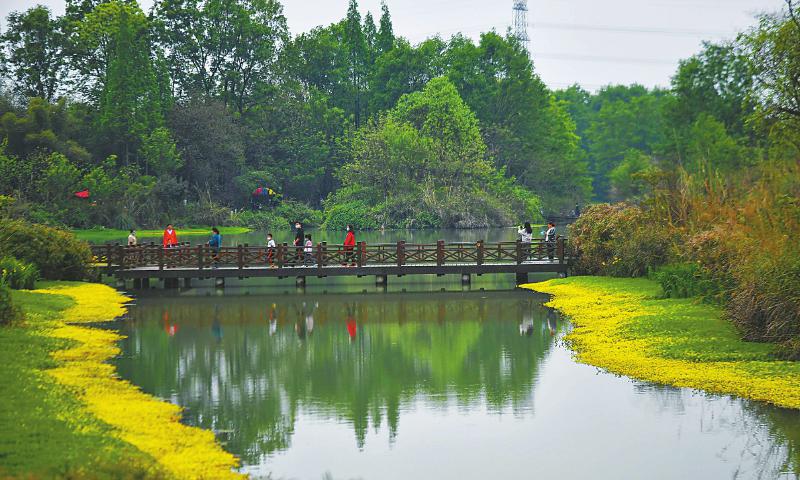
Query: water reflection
x=425, y=380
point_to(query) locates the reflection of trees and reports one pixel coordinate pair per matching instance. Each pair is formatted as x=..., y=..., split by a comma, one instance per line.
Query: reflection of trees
x=772, y=446
x=231, y=375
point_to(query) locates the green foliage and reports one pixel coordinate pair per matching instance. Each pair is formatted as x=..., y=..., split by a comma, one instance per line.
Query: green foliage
x=629, y=178
x=34, y=45
x=619, y=240
x=299, y=212
x=9, y=313
x=684, y=280
x=18, y=275
x=57, y=254
x=425, y=165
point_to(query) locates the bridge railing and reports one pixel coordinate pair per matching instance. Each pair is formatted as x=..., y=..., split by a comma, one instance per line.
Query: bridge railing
x=323, y=255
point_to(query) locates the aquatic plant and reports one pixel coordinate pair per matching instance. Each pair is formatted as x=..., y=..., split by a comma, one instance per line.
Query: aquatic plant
x=621, y=325
x=151, y=425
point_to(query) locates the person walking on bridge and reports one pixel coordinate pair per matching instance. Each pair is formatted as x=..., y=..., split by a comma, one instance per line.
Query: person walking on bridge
x=550, y=240
x=349, y=245
x=526, y=238
x=215, y=243
x=170, y=237
x=299, y=242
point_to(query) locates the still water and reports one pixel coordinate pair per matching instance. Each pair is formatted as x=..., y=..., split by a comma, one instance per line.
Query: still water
x=422, y=383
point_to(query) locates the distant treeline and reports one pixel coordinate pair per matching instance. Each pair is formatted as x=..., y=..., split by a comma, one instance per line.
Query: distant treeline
x=180, y=113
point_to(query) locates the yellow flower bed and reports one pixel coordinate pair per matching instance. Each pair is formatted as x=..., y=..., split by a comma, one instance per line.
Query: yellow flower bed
x=611, y=317
x=151, y=425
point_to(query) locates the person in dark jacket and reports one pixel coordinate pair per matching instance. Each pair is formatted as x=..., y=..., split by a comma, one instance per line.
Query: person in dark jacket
x=299, y=241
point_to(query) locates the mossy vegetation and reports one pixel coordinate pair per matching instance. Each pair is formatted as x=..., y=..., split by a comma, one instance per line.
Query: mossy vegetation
x=78, y=419
x=44, y=431
x=626, y=327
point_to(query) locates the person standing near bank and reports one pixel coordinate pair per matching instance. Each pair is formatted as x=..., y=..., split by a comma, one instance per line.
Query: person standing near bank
x=170, y=237
x=132, y=238
x=349, y=245
x=550, y=240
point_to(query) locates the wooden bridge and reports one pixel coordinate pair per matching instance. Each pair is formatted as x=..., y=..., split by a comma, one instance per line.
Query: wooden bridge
x=152, y=261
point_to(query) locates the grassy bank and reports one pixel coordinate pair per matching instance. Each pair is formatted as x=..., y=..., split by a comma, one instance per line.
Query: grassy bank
x=102, y=235
x=65, y=414
x=622, y=325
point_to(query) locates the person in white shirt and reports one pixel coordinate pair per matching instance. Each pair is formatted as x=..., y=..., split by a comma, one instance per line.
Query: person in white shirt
x=526, y=237
x=271, y=250
x=309, y=251
x=550, y=239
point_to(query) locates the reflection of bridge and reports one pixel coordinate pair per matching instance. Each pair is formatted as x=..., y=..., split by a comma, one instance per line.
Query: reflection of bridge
x=144, y=262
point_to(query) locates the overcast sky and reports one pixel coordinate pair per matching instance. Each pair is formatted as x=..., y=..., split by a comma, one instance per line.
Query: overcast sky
x=591, y=42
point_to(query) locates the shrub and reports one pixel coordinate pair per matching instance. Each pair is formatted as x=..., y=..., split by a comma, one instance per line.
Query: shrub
x=18, y=275
x=57, y=254
x=765, y=304
x=619, y=240
x=354, y=212
x=260, y=220
x=684, y=280
x=299, y=212
x=8, y=312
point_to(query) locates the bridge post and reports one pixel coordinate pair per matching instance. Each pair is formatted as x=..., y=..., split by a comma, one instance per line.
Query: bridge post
x=145, y=283
x=121, y=256
x=161, y=259
x=522, y=278
x=401, y=253
x=362, y=253
x=280, y=255
x=321, y=248
x=240, y=257
x=200, y=257
x=187, y=282
x=519, y=252
x=440, y=253
x=137, y=283
x=481, y=252
x=560, y=250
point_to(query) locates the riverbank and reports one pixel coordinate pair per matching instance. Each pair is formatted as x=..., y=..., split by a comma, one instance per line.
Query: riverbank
x=79, y=419
x=102, y=235
x=621, y=325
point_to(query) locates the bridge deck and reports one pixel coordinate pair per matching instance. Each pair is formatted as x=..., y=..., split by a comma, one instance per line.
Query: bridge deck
x=545, y=266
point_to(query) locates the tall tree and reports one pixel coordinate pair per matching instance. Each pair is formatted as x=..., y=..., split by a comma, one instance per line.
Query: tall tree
x=385, y=39
x=34, y=53
x=129, y=107
x=222, y=48
x=356, y=45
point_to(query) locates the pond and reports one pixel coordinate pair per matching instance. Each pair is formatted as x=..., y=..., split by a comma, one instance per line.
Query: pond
x=428, y=381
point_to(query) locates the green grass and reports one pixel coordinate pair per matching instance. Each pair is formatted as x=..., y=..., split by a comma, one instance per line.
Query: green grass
x=44, y=431
x=100, y=235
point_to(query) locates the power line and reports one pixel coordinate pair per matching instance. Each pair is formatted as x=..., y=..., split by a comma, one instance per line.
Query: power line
x=594, y=58
x=622, y=29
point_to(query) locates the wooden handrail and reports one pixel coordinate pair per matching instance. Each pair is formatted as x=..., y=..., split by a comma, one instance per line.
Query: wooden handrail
x=330, y=255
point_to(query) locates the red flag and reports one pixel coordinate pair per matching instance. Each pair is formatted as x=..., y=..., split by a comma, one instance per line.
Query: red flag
x=82, y=194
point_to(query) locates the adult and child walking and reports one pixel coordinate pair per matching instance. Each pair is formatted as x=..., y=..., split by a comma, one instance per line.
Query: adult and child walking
x=303, y=244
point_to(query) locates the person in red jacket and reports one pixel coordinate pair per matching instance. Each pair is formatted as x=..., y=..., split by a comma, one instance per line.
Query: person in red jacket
x=170, y=237
x=349, y=245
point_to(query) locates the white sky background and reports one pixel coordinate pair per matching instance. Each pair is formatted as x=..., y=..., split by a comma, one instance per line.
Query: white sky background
x=591, y=42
